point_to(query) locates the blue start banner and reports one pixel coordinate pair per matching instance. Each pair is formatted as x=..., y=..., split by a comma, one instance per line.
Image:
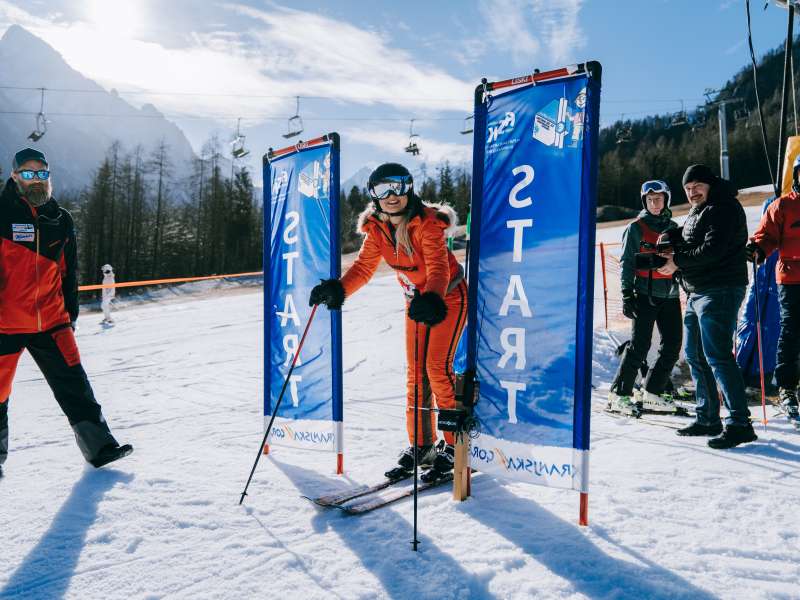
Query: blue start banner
x=531, y=275
x=301, y=246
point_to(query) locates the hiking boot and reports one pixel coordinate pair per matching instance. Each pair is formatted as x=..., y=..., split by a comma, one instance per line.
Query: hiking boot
x=698, y=429
x=733, y=436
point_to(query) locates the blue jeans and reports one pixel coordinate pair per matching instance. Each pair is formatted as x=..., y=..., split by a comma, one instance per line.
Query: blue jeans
x=708, y=328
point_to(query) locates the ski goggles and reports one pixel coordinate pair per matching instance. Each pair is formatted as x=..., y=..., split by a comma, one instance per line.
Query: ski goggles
x=655, y=186
x=398, y=185
x=28, y=174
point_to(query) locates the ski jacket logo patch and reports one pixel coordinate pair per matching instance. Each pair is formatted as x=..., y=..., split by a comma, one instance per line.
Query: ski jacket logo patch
x=23, y=232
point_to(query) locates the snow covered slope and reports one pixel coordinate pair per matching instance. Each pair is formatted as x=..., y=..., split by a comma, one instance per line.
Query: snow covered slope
x=181, y=380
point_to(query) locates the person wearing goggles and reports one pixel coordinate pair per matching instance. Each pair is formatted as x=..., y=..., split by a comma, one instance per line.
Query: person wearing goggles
x=410, y=237
x=39, y=305
x=650, y=299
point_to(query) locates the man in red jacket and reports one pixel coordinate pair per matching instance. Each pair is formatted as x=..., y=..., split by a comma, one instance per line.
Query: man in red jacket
x=780, y=230
x=39, y=305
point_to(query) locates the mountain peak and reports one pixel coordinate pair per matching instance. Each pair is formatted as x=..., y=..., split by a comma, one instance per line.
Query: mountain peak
x=18, y=43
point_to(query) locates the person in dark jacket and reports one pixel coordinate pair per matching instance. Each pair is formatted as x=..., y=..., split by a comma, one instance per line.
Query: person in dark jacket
x=709, y=251
x=39, y=305
x=649, y=299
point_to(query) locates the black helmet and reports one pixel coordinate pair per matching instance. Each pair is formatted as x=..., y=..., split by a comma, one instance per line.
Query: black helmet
x=388, y=179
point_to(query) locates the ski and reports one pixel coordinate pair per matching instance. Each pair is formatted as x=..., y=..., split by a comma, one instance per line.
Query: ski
x=647, y=418
x=364, y=505
x=338, y=498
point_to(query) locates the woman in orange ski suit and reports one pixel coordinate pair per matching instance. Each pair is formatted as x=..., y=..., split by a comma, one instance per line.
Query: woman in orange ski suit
x=410, y=237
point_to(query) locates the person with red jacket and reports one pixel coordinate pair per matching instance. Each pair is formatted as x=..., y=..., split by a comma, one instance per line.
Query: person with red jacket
x=780, y=230
x=39, y=305
x=410, y=236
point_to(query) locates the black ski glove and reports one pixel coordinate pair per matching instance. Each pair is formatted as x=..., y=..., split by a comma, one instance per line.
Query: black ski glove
x=753, y=252
x=329, y=292
x=427, y=308
x=629, y=306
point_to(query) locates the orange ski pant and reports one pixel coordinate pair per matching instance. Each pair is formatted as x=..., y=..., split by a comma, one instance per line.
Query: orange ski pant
x=434, y=378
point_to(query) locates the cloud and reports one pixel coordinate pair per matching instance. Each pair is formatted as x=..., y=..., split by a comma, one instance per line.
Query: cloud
x=394, y=140
x=535, y=30
x=271, y=57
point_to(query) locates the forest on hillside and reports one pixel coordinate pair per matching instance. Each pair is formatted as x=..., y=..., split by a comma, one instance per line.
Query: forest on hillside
x=661, y=147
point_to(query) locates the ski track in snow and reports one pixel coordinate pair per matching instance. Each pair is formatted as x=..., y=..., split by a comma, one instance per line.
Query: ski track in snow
x=181, y=380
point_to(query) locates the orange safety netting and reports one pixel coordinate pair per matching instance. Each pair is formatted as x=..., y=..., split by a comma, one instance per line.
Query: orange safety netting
x=100, y=286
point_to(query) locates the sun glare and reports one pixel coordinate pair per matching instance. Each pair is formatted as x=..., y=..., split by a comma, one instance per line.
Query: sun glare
x=120, y=17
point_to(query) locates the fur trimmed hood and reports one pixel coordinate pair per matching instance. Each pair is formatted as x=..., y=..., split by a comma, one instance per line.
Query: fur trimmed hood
x=444, y=212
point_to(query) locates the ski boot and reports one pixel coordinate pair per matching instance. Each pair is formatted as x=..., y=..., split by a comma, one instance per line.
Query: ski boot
x=405, y=462
x=624, y=405
x=788, y=400
x=442, y=464
x=663, y=403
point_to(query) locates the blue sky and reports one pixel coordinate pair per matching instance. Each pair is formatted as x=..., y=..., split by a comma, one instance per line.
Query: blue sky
x=366, y=68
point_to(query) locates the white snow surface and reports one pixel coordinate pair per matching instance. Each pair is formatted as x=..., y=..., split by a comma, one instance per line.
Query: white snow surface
x=181, y=379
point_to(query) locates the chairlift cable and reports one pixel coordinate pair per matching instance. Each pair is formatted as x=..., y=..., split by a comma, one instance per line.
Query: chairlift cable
x=758, y=100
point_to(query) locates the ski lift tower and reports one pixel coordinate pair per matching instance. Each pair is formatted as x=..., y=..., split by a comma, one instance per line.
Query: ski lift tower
x=412, y=147
x=41, y=122
x=295, y=124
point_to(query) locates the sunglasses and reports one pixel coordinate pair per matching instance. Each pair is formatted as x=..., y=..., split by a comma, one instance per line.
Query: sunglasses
x=398, y=185
x=28, y=174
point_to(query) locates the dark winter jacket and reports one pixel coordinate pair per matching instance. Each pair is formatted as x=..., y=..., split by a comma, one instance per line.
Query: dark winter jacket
x=38, y=265
x=631, y=244
x=710, y=250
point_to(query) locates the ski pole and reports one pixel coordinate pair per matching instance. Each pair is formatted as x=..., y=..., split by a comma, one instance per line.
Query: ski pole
x=758, y=338
x=415, y=541
x=278, y=403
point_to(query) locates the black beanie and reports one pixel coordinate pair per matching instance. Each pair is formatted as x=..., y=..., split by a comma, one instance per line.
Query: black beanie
x=700, y=174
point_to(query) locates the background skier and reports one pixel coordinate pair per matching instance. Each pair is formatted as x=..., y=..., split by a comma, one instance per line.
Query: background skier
x=108, y=293
x=780, y=230
x=647, y=303
x=410, y=237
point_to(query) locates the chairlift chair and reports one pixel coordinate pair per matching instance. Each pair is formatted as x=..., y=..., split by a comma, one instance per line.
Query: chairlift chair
x=237, y=144
x=741, y=114
x=679, y=118
x=698, y=119
x=41, y=122
x=412, y=147
x=469, y=126
x=295, y=124
x=624, y=133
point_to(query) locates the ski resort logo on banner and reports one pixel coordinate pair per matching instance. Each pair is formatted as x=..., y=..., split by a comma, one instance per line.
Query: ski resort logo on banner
x=501, y=128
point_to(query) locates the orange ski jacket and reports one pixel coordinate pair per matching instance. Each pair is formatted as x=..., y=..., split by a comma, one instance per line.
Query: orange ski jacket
x=38, y=265
x=430, y=268
x=780, y=230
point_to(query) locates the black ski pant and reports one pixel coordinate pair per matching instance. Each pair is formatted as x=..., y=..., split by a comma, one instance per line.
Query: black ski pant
x=57, y=356
x=787, y=374
x=664, y=313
